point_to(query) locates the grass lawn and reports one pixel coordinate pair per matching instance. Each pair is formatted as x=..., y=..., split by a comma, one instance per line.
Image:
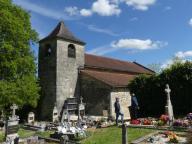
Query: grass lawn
x=113, y=135
x=1, y=136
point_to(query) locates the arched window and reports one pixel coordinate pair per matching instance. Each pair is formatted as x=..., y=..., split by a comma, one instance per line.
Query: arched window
x=71, y=51
x=48, y=50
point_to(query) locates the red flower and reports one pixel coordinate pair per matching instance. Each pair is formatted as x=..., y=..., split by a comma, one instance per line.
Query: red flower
x=135, y=122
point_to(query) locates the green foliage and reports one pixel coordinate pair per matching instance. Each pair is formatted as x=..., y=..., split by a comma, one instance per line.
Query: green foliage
x=18, y=82
x=25, y=133
x=156, y=67
x=151, y=94
x=2, y=136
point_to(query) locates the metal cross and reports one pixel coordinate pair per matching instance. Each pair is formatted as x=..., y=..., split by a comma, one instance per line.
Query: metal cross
x=14, y=107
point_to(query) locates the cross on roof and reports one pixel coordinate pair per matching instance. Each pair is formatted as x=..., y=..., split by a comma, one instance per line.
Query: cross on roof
x=167, y=89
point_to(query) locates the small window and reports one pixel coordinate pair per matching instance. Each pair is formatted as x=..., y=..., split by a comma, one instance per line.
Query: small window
x=71, y=51
x=48, y=50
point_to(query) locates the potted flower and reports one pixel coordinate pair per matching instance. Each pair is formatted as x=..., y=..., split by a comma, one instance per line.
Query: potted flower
x=173, y=138
x=189, y=116
x=135, y=122
x=178, y=123
x=147, y=122
x=164, y=118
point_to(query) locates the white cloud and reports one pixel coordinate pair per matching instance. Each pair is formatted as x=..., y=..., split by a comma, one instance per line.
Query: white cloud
x=102, y=30
x=129, y=45
x=109, y=7
x=190, y=22
x=102, y=8
x=137, y=44
x=72, y=11
x=105, y=8
x=167, y=64
x=140, y=4
x=42, y=10
x=185, y=54
x=85, y=12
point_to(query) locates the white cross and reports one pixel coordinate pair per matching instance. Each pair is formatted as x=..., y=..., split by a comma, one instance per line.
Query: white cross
x=167, y=89
x=81, y=99
x=14, y=107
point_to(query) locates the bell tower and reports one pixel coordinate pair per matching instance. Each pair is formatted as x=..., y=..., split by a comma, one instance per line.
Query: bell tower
x=60, y=56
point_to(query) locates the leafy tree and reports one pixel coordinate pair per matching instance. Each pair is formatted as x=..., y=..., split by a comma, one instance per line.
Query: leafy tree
x=18, y=81
x=151, y=94
x=156, y=67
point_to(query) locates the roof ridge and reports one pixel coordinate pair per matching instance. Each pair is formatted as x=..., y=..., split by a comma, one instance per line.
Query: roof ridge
x=110, y=58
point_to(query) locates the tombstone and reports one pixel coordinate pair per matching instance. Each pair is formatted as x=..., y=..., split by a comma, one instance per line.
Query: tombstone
x=169, y=107
x=81, y=110
x=12, y=127
x=65, y=116
x=105, y=113
x=2, y=120
x=31, y=118
x=55, y=115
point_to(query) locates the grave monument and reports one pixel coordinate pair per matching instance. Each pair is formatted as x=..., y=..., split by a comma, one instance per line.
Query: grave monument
x=169, y=107
x=12, y=127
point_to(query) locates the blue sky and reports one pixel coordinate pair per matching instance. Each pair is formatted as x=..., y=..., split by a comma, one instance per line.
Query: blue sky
x=146, y=31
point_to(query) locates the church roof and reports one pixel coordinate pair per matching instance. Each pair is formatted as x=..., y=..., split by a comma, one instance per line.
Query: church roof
x=104, y=63
x=62, y=32
x=114, y=79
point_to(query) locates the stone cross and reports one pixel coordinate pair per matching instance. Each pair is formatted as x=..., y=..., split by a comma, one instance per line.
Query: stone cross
x=81, y=100
x=169, y=107
x=167, y=89
x=14, y=107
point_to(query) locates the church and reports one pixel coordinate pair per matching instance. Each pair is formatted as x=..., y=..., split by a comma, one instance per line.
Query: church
x=67, y=73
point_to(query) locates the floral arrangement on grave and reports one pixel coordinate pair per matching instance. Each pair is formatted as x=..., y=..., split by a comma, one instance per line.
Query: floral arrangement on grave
x=147, y=122
x=135, y=122
x=163, y=120
x=181, y=123
x=189, y=116
x=172, y=137
x=178, y=123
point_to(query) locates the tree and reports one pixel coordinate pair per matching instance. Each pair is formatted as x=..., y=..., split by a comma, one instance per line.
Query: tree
x=156, y=67
x=18, y=81
x=151, y=94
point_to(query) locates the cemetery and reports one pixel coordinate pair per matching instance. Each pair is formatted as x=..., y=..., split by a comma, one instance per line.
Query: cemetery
x=67, y=96
x=163, y=130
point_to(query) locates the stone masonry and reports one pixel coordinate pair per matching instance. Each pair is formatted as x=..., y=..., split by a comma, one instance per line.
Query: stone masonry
x=124, y=99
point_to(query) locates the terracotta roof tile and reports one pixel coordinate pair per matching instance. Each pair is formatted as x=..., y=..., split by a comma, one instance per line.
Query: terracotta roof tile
x=113, y=79
x=99, y=62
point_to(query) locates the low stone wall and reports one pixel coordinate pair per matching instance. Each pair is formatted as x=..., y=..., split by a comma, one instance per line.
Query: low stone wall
x=125, y=101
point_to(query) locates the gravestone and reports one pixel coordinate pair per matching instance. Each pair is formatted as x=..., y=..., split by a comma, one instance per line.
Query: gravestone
x=81, y=108
x=12, y=127
x=65, y=116
x=2, y=120
x=169, y=107
x=31, y=118
x=55, y=115
x=105, y=113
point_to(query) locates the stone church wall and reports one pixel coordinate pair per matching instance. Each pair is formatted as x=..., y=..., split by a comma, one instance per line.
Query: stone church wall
x=125, y=101
x=96, y=95
x=47, y=75
x=67, y=72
